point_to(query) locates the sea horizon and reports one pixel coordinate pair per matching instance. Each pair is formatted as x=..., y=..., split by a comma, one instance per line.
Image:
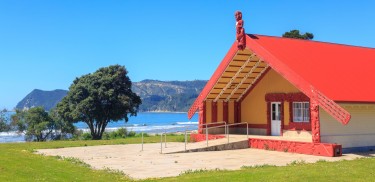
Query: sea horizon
x=147, y=122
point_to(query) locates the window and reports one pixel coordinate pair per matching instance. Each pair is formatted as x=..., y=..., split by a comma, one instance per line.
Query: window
x=301, y=112
x=276, y=111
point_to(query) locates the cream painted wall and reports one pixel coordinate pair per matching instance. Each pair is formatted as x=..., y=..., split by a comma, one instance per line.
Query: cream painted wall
x=254, y=106
x=208, y=112
x=286, y=113
x=359, y=132
x=220, y=111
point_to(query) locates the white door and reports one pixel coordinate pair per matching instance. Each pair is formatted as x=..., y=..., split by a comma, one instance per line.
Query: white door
x=275, y=118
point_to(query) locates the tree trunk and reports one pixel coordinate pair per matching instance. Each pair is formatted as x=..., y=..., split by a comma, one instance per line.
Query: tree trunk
x=96, y=137
x=97, y=133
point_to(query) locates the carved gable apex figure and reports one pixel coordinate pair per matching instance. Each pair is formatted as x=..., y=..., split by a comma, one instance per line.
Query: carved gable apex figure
x=240, y=31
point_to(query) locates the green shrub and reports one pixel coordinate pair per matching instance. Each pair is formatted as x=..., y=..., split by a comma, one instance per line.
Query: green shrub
x=131, y=134
x=122, y=132
x=86, y=136
x=106, y=136
x=113, y=135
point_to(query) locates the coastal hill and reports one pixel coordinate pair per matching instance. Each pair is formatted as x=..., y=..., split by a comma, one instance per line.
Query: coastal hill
x=174, y=96
x=46, y=99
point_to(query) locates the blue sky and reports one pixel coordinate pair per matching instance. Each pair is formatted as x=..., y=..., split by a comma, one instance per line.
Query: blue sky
x=46, y=44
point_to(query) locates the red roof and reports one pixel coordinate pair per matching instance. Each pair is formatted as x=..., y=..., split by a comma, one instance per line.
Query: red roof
x=340, y=72
x=325, y=72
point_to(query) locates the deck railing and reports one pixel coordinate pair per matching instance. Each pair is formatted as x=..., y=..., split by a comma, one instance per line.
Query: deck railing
x=235, y=124
x=186, y=131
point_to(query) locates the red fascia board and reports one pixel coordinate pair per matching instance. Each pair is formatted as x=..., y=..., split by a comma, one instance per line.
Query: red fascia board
x=330, y=106
x=214, y=78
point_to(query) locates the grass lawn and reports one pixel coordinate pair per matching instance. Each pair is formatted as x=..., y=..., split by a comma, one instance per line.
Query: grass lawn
x=18, y=163
x=362, y=169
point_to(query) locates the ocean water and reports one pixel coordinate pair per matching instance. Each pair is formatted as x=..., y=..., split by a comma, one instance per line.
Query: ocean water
x=147, y=122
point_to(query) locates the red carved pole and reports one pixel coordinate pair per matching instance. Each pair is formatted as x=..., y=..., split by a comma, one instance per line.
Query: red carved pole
x=282, y=118
x=315, y=123
x=201, y=117
x=240, y=31
x=235, y=110
x=214, y=112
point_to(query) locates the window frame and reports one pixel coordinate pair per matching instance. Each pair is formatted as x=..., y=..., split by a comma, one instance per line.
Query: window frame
x=301, y=113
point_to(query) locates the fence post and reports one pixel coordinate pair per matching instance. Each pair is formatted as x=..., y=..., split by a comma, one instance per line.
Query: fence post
x=247, y=130
x=165, y=139
x=225, y=128
x=228, y=133
x=185, y=139
x=207, y=135
x=142, y=141
x=161, y=143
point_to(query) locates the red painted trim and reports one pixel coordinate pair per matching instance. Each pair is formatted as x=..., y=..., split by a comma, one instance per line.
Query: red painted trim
x=225, y=111
x=297, y=97
x=276, y=97
x=255, y=84
x=319, y=149
x=239, y=108
x=235, y=104
x=306, y=126
x=259, y=126
x=327, y=104
x=215, y=77
x=289, y=97
x=201, y=117
x=282, y=118
x=214, y=124
x=214, y=112
x=256, y=126
x=202, y=137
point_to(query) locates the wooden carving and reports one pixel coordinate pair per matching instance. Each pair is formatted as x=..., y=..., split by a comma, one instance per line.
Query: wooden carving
x=240, y=31
x=315, y=124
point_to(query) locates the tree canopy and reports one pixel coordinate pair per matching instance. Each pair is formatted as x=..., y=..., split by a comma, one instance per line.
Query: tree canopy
x=4, y=121
x=295, y=34
x=35, y=123
x=99, y=98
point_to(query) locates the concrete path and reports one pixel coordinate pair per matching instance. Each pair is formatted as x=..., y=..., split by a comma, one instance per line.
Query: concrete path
x=150, y=163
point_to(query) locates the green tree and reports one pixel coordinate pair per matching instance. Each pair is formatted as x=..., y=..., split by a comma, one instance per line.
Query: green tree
x=99, y=98
x=4, y=121
x=63, y=128
x=35, y=123
x=295, y=34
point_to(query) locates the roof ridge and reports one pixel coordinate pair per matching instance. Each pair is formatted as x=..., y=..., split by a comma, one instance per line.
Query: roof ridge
x=314, y=41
